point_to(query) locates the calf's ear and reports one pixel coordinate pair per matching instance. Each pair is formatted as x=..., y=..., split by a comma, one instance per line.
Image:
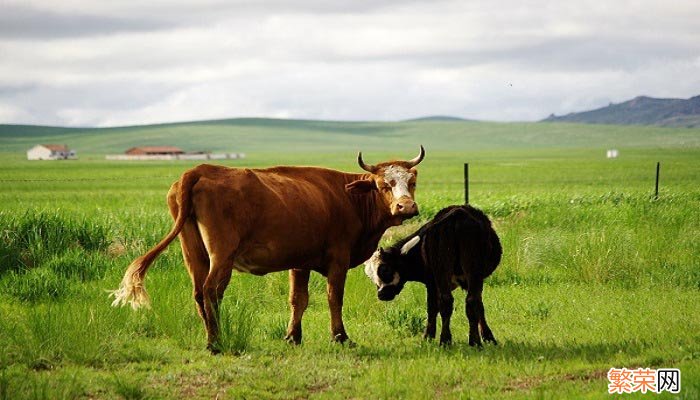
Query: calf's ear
x=409, y=245
x=360, y=187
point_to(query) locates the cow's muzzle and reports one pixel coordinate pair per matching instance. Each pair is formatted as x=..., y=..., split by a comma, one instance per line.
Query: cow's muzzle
x=405, y=206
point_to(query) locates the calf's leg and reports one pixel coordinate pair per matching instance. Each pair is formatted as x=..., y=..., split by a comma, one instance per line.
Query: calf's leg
x=298, y=301
x=432, y=312
x=472, y=310
x=486, y=333
x=446, y=306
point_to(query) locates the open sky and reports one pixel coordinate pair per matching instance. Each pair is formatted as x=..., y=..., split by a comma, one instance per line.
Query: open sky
x=123, y=62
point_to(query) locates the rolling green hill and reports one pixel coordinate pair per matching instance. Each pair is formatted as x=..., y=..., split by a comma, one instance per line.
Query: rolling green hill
x=439, y=118
x=273, y=135
x=641, y=110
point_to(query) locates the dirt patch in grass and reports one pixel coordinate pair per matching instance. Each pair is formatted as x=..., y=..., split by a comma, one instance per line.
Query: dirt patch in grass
x=531, y=382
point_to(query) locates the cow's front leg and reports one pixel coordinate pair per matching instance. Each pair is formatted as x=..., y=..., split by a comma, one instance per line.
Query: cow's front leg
x=432, y=312
x=298, y=301
x=336, y=289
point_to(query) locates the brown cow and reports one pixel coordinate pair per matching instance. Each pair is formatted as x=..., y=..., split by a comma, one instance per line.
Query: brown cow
x=300, y=219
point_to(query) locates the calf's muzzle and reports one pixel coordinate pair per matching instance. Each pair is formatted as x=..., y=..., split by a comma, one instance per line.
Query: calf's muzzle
x=387, y=293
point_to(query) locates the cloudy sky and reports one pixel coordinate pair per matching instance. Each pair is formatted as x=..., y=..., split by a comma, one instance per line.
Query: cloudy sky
x=119, y=62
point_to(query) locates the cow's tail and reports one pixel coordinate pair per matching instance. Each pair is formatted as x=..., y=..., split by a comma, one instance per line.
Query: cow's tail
x=132, y=290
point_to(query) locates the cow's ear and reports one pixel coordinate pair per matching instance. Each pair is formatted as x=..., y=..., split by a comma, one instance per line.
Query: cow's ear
x=361, y=186
x=409, y=245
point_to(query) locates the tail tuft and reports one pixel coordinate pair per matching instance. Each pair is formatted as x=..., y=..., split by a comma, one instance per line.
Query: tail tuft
x=132, y=290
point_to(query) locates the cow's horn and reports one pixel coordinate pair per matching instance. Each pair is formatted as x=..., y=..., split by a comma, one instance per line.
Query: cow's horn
x=419, y=158
x=368, y=168
x=409, y=245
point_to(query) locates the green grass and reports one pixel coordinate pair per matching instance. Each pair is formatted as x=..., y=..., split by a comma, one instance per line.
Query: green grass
x=596, y=274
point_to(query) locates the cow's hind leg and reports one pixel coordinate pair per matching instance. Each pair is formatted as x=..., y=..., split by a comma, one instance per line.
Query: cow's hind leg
x=221, y=240
x=486, y=333
x=446, y=301
x=197, y=260
x=432, y=302
x=298, y=301
x=475, y=286
x=193, y=252
x=214, y=287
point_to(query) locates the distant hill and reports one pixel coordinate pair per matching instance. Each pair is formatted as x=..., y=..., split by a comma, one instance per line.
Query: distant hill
x=641, y=110
x=260, y=135
x=438, y=118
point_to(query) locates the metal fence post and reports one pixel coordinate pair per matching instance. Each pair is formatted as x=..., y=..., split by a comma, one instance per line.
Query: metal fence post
x=466, y=183
x=656, y=190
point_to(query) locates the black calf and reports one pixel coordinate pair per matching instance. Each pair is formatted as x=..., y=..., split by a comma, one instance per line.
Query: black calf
x=457, y=248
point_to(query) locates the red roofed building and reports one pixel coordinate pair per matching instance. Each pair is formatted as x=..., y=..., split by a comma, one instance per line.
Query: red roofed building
x=154, y=150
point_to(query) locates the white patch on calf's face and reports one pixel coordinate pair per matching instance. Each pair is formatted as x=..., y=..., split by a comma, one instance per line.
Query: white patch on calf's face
x=371, y=267
x=398, y=178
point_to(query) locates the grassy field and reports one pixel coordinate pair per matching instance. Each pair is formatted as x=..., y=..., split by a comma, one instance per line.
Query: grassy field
x=291, y=136
x=596, y=273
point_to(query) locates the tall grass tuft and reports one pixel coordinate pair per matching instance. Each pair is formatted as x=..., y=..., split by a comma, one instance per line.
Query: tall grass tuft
x=35, y=286
x=237, y=323
x=30, y=239
x=406, y=321
x=45, y=335
x=129, y=388
x=15, y=385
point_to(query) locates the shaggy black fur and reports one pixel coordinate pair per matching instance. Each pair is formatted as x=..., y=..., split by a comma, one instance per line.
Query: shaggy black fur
x=457, y=248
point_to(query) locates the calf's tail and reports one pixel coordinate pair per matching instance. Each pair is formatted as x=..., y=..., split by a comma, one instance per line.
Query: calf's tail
x=132, y=290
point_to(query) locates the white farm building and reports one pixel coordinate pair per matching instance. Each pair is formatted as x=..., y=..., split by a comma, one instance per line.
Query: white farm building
x=51, y=152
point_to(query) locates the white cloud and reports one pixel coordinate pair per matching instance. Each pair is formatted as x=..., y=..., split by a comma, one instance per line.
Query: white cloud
x=143, y=62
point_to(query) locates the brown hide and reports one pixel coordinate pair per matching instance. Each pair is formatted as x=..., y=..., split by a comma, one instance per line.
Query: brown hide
x=286, y=217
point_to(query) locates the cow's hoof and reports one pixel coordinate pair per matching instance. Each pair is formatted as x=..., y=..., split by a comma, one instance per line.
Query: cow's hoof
x=491, y=340
x=214, y=349
x=342, y=338
x=445, y=341
x=293, y=339
x=477, y=344
x=347, y=343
